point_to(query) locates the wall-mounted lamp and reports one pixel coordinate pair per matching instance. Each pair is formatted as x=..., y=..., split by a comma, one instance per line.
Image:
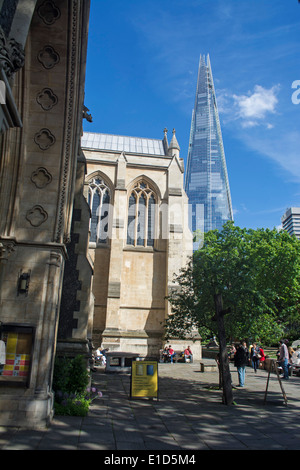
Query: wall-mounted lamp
x=23, y=284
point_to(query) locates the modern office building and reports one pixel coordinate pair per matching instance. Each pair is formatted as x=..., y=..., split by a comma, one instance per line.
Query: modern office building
x=291, y=221
x=206, y=179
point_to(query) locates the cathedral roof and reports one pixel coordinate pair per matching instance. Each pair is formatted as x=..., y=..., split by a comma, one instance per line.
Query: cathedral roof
x=121, y=143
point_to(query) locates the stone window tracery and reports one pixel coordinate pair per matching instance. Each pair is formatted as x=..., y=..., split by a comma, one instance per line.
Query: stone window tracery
x=141, y=216
x=99, y=201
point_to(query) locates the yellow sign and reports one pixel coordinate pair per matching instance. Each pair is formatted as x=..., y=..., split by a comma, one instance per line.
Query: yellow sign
x=144, y=379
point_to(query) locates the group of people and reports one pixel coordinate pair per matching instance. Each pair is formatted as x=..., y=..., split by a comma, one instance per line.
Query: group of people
x=287, y=357
x=242, y=357
x=169, y=354
x=255, y=357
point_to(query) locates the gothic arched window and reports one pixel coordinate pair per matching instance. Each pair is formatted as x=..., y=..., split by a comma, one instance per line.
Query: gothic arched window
x=99, y=201
x=141, y=216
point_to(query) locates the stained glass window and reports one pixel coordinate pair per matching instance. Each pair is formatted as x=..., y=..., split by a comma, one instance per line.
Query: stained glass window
x=141, y=216
x=151, y=219
x=99, y=202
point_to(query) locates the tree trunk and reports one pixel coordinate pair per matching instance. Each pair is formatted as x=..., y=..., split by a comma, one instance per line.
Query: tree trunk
x=223, y=356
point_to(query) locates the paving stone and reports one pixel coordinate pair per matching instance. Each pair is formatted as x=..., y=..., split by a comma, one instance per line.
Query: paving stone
x=125, y=445
x=189, y=415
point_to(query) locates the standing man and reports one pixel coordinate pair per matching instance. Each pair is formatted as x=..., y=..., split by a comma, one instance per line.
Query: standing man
x=284, y=358
x=241, y=359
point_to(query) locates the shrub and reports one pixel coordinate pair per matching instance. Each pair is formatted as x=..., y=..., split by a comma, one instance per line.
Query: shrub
x=61, y=374
x=78, y=376
x=70, y=381
x=75, y=404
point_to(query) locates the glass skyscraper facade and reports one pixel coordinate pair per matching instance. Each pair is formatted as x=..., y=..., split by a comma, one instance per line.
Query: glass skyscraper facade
x=206, y=179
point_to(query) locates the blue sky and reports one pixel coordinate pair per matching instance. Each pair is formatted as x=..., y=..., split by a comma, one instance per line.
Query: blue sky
x=141, y=77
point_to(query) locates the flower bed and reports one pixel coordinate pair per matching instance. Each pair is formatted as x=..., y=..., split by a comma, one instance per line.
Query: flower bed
x=72, y=404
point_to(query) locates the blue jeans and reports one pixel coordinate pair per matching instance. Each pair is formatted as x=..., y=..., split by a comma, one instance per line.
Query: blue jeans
x=190, y=357
x=241, y=374
x=255, y=363
x=285, y=367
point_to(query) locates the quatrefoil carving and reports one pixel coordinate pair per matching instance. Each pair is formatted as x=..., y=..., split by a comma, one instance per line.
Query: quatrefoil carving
x=36, y=216
x=49, y=12
x=44, y=139
x=41, y=178
x=47, y=99
x=48, y=57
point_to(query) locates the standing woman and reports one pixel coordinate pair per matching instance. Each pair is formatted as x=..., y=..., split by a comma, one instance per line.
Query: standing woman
x=262, y=357
x=255, y=357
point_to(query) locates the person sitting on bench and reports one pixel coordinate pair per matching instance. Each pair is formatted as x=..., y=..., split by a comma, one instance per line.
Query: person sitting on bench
x=188, y=355
x=171, y=353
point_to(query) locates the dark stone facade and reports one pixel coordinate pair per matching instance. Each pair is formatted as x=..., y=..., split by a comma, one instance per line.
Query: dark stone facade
x=71, y=284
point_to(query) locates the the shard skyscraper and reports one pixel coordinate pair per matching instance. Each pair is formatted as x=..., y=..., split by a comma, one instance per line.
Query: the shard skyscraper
x=206, y=179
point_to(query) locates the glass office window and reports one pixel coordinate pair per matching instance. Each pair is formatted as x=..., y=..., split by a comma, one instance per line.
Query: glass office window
x=206, y=179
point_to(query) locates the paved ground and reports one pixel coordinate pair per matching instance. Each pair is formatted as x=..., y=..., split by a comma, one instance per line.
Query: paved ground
x=188, y=416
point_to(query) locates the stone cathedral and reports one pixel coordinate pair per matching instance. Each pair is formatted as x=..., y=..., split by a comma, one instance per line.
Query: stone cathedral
x=92, y=227
x=139, y=236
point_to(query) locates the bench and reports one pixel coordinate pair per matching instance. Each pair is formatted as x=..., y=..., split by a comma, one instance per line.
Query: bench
x=119, y=361
x=208, y=366
x=294, y=369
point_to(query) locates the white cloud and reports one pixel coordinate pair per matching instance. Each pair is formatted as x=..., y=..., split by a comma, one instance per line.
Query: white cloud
x=282, y=148
x=248, y=116
x=249, y=110
x=254, y=107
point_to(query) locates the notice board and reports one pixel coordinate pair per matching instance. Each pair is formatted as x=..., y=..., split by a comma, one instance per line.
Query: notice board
x=18, y=342
x=144, y=379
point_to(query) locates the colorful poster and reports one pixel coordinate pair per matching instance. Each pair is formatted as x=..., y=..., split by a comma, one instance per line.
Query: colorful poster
x=18, y=354
x=144, y=379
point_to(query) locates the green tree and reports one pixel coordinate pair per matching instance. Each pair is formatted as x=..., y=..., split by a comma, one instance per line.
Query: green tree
x=256, y=275
x=257, y=272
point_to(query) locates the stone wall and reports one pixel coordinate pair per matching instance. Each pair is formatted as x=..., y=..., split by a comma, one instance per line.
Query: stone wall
x=37, y=178
x=130, y=283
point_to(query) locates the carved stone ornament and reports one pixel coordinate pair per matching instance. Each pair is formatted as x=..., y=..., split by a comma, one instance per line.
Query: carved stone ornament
x=47, y=99
x=49, y=12
x=41, y=178
x=86, y=115
x=7, y=247
x=44, y=139
x=48, y=57
x=55, y=259
x=12, y=55
x=36, y=216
